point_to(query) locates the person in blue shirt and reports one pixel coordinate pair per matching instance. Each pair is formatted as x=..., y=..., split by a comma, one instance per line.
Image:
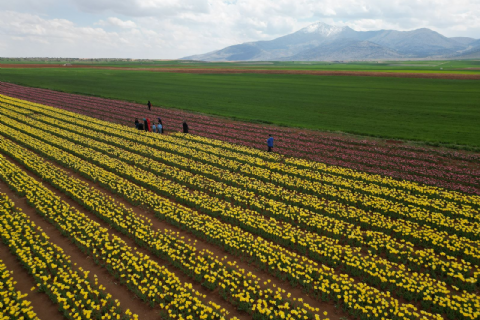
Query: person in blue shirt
x=270, y=143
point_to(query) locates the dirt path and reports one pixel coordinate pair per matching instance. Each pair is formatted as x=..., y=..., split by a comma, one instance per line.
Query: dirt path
x=446, y=75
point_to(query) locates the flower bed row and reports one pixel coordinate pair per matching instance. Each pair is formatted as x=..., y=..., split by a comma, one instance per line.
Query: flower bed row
x=236, y=285
x=441, y=197
x=399, y=191
x=51, y=269
x=322, y=282
x=303, y=136
x=462, y=227
x=342, y=180
x=111, y=107
x=467, y=175
x=13, y=304
x=373, y=269
x=457, y=273
x=151, y=282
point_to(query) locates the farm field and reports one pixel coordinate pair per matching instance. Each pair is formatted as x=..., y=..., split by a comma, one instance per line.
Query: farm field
x=434, y=110
x=438, y=167
x=447, y=66
x=108, y=222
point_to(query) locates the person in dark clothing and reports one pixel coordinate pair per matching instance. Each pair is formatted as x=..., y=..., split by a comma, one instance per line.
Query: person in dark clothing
x=136, y=123
x=185, y=127
x=160, y=122
x=140, y=126
x=270, y=143
x=149, y=105
x=145, y=125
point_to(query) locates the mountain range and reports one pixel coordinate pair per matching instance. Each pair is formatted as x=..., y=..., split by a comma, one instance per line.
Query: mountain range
x=322, y=42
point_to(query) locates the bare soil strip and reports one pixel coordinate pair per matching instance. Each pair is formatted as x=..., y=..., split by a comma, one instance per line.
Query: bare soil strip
x=446, y=75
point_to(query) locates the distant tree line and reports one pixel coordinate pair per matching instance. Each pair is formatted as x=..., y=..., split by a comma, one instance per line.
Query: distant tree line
x=70, y=60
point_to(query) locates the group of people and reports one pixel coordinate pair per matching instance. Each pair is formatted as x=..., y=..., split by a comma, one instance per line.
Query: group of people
x=152, y=126
x=158, y=128
x=149, y=126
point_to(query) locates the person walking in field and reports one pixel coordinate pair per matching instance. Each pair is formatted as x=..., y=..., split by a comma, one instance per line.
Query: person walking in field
x=270, y=143
x=154, y=127
x=145, y=125
x=161, y=124
x=159, y=128
x=185, y=127
x=149, y=126
x=149, y=105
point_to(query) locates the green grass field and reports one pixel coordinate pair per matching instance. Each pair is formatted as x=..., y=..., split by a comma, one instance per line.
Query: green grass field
x=454, y=66
x=433, y=110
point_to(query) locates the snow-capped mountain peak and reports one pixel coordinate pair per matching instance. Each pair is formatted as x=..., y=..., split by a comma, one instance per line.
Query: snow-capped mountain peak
x=323, y=29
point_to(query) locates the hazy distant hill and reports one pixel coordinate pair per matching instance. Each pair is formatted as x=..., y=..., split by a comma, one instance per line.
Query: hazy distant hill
x=472, y=53
x=346, y=49
x=320, y=41
x=464, y=40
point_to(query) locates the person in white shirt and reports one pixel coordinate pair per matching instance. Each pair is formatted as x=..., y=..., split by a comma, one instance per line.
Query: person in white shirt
x=154, y=128
x=159, y=128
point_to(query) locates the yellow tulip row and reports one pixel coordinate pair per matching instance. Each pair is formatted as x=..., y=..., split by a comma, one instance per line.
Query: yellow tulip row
x=419, y=235
x=451, y=220
x=346, y=195
x=321, y=281
x=203, y=267
x=403, y=190
x=279, y=166
x=148, y=280
x=13, y=304
x=453, y=271
x=76, y=297
x=379, y=271
x=356, y=184
x=446, y=216
x=422, y=258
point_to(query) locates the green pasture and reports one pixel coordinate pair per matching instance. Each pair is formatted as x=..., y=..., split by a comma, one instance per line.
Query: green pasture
x=432, y=110
x=430, y=66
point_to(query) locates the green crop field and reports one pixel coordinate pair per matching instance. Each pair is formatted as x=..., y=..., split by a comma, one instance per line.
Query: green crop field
x=434, y=110
x=453, y=66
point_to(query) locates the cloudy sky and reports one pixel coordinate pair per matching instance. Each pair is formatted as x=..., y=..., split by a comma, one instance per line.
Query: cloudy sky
x=168, y=29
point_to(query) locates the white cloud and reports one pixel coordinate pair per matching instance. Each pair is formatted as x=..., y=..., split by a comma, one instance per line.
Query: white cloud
x=116, y=22
x=143, y=8
x=176, y=28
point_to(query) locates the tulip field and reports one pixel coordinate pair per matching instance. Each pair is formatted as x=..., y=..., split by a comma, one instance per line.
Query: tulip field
x=437, y=167
x=325, y=227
